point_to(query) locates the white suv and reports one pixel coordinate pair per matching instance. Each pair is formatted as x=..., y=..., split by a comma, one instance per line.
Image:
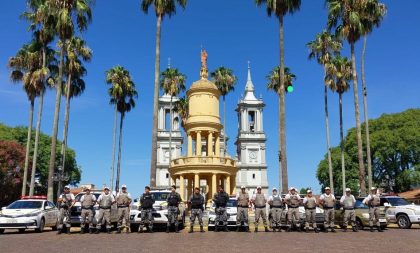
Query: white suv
x=400, y=211
x=160, y=210
x=231, y=209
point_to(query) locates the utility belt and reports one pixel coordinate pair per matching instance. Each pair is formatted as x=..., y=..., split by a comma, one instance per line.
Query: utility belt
x=87, y=207
x=349, y=208
x=173, y=205
x=105, y=207
x=372, y=206
x=276, y=206
x=293, y=206
x=260, y=207
x=221, y=206
x=328, y=207
x=122, y=206
x=244, y=206
x=310, y=208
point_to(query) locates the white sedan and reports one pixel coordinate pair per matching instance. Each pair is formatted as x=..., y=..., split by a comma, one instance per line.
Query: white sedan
x=29, y=213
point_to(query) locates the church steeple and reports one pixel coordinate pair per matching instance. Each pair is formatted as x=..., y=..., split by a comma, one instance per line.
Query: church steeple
x=249, y=87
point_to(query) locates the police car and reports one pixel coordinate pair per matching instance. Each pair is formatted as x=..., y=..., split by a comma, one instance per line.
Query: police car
x=231, y=209
x=29, y=213
x=399, y=210
x=160, y=210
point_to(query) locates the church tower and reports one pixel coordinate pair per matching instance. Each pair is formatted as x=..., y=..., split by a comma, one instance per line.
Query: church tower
x=250, y=142
x=163, y=179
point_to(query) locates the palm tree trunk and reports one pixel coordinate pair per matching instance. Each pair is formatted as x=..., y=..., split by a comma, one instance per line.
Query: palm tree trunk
x=113, y=147
x=327, y=127
x=153, y=161
x=117, y=183
x=283, y=157
x=358, y=127
x=51, y=166
x=365, y=107
x=224, y=126
x=343, y=169
x=38, y=128
x=170, y=135
x=66, y=125
x=28, y=147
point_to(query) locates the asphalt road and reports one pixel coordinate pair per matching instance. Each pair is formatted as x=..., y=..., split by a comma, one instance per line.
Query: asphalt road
x=392, y=240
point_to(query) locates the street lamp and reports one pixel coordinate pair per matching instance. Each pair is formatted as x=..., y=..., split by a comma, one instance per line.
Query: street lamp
x=59, y=177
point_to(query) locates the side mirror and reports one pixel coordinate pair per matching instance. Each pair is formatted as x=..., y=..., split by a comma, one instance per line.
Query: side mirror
x=48, y=208
x=386, y=204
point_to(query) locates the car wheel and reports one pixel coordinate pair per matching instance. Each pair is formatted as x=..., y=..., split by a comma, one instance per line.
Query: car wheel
x=359, y=224
x=1, y=230
x=21, y=230
x=40, y=229
x=403, y=221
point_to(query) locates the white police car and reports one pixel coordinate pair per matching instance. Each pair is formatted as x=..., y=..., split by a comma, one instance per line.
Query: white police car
x=231, y=209
x=29, y=213
x=160, y=210
x=399, y=210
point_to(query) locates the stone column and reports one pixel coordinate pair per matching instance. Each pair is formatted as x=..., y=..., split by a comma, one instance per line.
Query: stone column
x=182, y=187
x=217, y=146
x=210, y=144
x=198, y=141
x=228, y=184
x=196, y=180
x=190, y=187
x=213, y=184
x=257, y=121
x=189, y=154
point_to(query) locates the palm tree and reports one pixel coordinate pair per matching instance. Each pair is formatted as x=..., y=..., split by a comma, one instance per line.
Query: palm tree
x=348, y=17
x=374, y=15
x=280, y=8
x=76, y=51
x=162, y=8
x=24, y=65
x=41, y=23
x=172, y=82
x=225, y=81
x=338, y=76
x=68, y=12
x=122, y=93
x=322, y=49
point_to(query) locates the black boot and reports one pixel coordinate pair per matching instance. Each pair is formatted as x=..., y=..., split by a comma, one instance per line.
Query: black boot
x=316, y=230
x=97, y=230
x=82, y=230
x=345, y=229
x=90, y=230
x=325, y=230
x=266, y=229
x=307, y=229
x=192, y=229
x=119, y=230
x=380, y=229
x=226, y=229
x=289, y=229
x=59, y=231
x=68, y=231
x=371, y=229
x=167, y=229
x=238, y=228
x=202, y=229
x=256, y=230
x=151, y=229
x=354, y=229
x=108, y=230
x=140, y=229
x=333, y=230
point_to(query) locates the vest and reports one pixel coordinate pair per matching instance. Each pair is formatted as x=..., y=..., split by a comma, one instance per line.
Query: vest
x=173, y=199
x=197, y=201
x=348, y=201
x=106, y=201
x=329, y=201
x=147, y=201
x=123, y=199
x=375, y=200
x=294, y=201
x=310, y=202
x=87, y=201
x=259, y=200
x=243, y=199
x=67, y=200
x=277, y=202
x=221, y=199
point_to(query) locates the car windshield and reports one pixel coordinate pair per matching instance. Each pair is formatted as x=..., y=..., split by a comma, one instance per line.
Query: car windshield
x=160, y=196
x=77, y=198
x=398, y=201
x=359, y=204
x=25, y=205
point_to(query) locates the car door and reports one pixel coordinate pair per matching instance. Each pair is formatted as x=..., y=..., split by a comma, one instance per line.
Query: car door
x=53, y=213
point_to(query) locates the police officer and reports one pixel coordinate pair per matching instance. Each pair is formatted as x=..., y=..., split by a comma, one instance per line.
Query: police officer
x=87, y=201
x=259, y=200
x=276, y=209
x=123, y=204
x=196, y=204
x=293, y=201
x=373, y=201
x=310, y=203
x=173, y=201
x=146, y=204
x=242, y=199
x=65, y=202
x=105, y=201
x=347, y=202
x=221, y=199
x=328, y=202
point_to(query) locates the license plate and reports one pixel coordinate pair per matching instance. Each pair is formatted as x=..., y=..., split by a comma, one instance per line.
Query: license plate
x=11, y=221
x=382, y=220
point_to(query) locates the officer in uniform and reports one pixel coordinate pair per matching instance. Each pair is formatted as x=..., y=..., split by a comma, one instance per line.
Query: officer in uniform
x=196, y=204
x=123, y=204
x=221, y=199
x=87, y=201
x=373, y=201
x=242, y=199
x=310, y=203
x=276, y=209
x=328, y=202
x=105, y=201
x=173, y=201
x=293, y=202
x=146, y=204
x=347, y=202
x=259, y=201
x=65, y=202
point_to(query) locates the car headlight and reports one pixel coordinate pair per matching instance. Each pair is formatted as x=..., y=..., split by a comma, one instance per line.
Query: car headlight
x=365, y=215
x=417, y=212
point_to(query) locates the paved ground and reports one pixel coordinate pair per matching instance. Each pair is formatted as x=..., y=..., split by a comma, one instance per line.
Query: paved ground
x=393, y=240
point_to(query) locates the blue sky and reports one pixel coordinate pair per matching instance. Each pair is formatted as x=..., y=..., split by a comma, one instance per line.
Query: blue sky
x=232, y=32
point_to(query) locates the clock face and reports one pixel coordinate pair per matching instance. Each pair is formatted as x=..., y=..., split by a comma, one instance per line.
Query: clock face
x=252, y=155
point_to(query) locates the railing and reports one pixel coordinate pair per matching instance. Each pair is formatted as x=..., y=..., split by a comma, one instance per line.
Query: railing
x=227, y=161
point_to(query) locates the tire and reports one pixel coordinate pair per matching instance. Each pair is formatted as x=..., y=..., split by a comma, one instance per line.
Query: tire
x=21, y=230
x=1, y=230
x=359, y=224
x=403, y=221
x=40, y=229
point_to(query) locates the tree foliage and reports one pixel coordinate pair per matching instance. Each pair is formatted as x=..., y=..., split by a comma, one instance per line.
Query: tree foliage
x=395, y=146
